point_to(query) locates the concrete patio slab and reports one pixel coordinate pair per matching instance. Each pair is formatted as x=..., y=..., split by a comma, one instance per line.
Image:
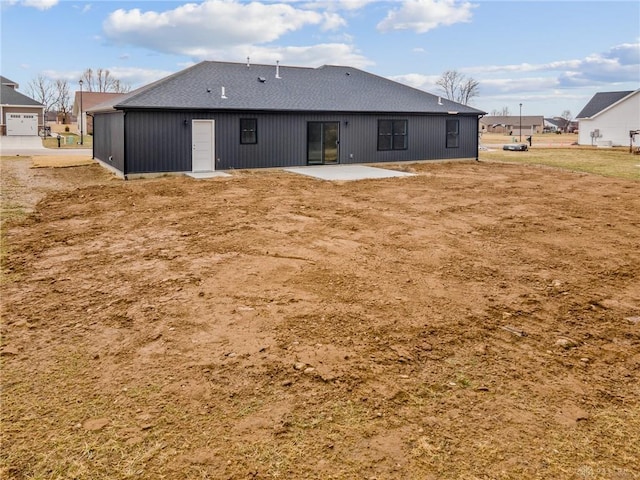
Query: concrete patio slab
x=346, y=172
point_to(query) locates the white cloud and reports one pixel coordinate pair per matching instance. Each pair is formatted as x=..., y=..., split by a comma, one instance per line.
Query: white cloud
x=305, y=56
x=192, y=29
x=424, y=15
x=332, y=21
x=335, y=5
x=83, y=9
x=40, y=4
x=417, y=80
x=619, y=64
x=550, y=87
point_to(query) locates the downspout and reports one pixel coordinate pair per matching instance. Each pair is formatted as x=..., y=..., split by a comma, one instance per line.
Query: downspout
x=124, y=145
x=93, y=143
x=478, y=137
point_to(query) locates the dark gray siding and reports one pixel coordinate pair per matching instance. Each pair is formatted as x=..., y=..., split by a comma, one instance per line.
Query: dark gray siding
x=108, y=139
x=160, y=141
x=426, y=139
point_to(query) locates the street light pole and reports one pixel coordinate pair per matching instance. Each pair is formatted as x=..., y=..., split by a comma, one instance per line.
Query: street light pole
x=82, y=119
x=520, y=123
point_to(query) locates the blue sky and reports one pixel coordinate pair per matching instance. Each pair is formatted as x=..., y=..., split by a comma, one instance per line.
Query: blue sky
x=549, y=56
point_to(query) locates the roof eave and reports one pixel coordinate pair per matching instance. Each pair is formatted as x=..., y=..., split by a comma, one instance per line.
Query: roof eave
x=292, y=110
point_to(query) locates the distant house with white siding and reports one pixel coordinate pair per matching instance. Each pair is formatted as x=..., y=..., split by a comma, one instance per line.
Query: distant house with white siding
x=608, y=118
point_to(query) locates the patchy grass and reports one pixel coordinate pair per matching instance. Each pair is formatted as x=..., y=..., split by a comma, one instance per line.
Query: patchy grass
x=609, y=162
x=52, y=142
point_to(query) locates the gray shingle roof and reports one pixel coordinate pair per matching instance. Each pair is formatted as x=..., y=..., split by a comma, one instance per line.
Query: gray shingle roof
x=327, y=88
x=9, y=96
x=6, y=81
x=600, y=101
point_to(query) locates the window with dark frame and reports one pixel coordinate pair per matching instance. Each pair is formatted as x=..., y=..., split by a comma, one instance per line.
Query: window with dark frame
x=453, y=133
x=392, y=134
x=248, y=131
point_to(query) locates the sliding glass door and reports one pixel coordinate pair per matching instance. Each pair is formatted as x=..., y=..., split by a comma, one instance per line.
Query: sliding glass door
x=323, y=142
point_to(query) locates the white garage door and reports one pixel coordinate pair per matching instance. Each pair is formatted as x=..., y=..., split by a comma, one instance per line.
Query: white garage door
x=22, y=124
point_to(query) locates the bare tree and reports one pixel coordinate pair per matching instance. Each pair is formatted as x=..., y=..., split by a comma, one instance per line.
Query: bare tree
x=566, y=120
x=42, y=90
x=501, y=113
x=63, y=99
x=458, y=87
x=102, y=81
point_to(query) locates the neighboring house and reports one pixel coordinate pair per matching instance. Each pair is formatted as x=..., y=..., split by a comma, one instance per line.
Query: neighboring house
x=19, y=114
x=553, y=124
x=218, y=115
x=510, y=124
x=559, y=124
x=608, y=118
x=89, y=100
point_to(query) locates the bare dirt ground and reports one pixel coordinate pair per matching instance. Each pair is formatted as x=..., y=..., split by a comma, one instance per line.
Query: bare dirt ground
x=475, y=321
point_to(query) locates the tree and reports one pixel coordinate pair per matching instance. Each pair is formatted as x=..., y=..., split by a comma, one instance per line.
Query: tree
x=501, y=113
x=63, y=101
x=102, y=81
x=42, y=90
x=458, y=87
x=566, y=120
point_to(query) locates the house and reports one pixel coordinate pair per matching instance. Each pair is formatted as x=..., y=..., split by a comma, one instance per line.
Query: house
x=608, y=118
x=218, y=115
x=510, y=124
x=19, y=114
x=86, y=101
x=559, y=124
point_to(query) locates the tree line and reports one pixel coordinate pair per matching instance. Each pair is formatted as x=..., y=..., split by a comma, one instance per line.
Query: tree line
x=56, y=95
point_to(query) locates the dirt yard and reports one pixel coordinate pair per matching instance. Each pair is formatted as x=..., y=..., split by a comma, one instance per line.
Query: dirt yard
x=475, y=321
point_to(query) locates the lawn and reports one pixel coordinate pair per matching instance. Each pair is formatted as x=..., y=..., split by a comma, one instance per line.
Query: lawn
x=68, y=140
x=608, y=162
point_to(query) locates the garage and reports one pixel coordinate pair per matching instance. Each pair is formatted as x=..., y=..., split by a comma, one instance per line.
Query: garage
x=19, y=114
x=22, y=124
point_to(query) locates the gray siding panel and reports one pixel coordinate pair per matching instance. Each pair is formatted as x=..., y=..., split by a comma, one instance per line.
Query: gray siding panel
x=160, y=141
x=108, y=139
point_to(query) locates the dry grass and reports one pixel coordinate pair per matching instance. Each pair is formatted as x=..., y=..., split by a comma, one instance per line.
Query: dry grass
x=610, y=162
x=58, y=161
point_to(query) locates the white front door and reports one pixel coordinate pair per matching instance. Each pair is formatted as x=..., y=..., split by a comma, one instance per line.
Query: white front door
x=22, y=124
x=203, y=146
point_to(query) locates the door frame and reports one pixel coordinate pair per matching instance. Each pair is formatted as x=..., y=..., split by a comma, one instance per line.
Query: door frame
x=212, y=162
x=323, y=123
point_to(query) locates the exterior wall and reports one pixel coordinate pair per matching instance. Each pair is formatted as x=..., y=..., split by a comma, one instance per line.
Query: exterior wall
x=511, y=124
x=160, y=141
x=9, y=109
x=614, y=124
x=108, y=144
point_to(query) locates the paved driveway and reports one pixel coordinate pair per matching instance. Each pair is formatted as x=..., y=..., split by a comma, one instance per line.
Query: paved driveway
x=32, y=145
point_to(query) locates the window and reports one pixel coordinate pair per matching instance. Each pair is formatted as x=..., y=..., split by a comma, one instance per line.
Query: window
x=248, y=130
x=453, y=133
x=392, y=134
